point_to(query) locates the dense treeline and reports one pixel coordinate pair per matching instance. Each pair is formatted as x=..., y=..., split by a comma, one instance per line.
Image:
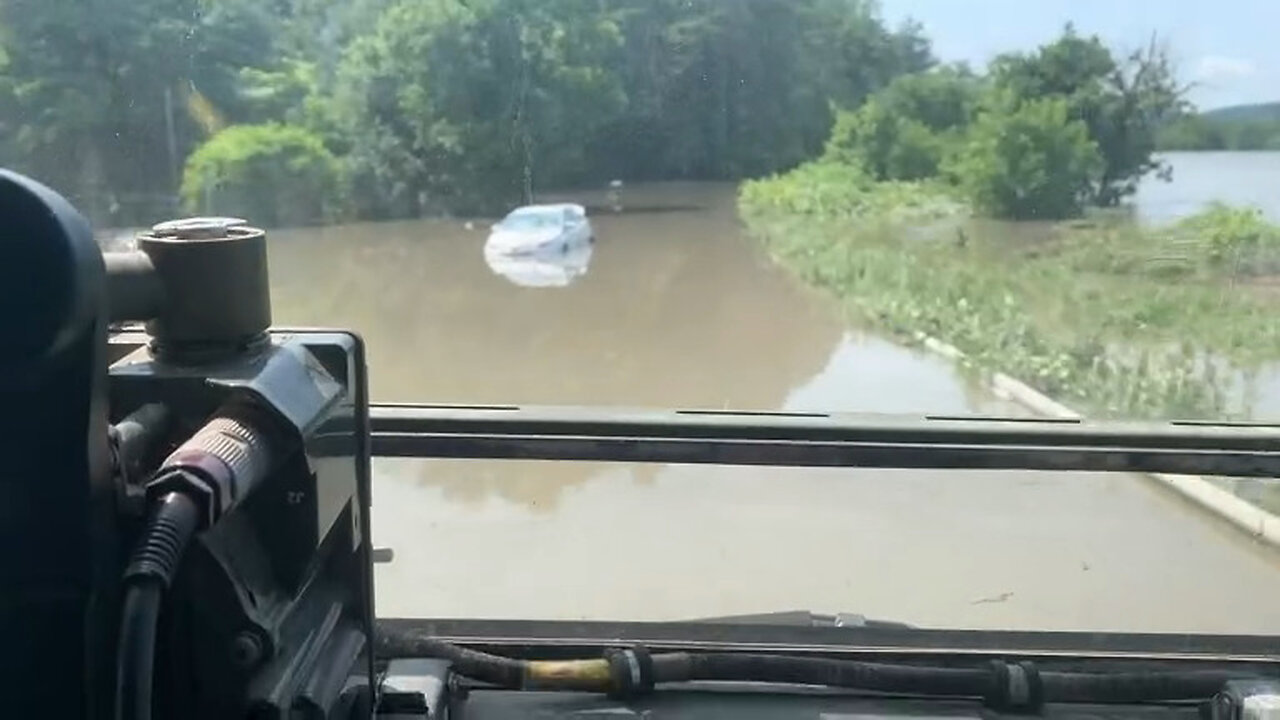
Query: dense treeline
x=1246, y=127
x=301, y=110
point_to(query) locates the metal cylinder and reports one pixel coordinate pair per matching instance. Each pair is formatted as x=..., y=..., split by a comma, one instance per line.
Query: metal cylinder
x=214, y=281
x=134, y=291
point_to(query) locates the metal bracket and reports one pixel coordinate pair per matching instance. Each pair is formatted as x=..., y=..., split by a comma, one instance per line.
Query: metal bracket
x=824, y=440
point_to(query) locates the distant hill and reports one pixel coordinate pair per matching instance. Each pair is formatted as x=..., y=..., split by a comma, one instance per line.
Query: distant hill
x=1237, y=127
x=1266, y=112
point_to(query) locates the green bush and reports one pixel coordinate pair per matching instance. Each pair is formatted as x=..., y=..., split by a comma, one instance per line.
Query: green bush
x=273, y=175
x=888, y=145
x=903, y=131
x=1238, y=240
x=832, y=189
x=1221, y=242
x=1027, y=161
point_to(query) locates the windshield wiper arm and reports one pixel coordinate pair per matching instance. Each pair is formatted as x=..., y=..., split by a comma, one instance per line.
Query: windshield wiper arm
x=805, y=618
x=825, y=440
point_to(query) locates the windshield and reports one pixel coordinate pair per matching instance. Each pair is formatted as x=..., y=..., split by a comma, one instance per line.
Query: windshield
x=1042, y=209
x=532, y=220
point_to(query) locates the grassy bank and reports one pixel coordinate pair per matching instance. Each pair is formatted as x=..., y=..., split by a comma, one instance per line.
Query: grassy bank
x=1119, y=320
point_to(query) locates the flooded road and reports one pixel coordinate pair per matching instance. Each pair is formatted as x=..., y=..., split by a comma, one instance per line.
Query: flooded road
x=677, y=308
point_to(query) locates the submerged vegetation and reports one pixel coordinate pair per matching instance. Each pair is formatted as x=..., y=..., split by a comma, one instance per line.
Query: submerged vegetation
x=842, y=191
x=1120, y=320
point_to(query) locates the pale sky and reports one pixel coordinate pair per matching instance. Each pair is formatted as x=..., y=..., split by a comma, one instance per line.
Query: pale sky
x=1231, y=48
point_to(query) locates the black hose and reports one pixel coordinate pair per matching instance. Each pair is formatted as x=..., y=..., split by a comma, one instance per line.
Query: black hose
x=878, y=677
x=1135, y=687
x=149, y=573
x=136, y=654
x=492, y=669
x=1001, y=685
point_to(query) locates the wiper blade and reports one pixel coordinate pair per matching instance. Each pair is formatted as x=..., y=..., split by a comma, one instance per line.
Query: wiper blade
x=825, y=440
x=805, y=618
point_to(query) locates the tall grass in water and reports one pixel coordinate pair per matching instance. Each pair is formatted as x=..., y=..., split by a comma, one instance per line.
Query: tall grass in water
x=1087, y=318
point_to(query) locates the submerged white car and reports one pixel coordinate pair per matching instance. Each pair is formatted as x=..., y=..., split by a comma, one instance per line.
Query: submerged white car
x=541, y=229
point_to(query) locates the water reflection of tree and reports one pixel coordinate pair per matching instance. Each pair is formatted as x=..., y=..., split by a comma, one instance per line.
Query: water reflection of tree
x=677, y=310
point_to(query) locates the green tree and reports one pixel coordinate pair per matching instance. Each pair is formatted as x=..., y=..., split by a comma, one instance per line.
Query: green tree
x=279, y=175
x=1027, y=159
x=465, y=107
x=1123, y=103
x=854, y=54
x=726, y=90
x=482, y=104
x=441, y=104
x=903, y=131
x=90, y=92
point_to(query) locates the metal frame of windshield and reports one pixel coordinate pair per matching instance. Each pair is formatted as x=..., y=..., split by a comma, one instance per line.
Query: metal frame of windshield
x=824, y=440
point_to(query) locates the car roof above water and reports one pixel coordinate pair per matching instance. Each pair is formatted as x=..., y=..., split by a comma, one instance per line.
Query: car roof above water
x=547, y=209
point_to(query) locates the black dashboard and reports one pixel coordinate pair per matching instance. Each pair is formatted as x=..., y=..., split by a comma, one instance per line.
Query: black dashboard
x=763, y=704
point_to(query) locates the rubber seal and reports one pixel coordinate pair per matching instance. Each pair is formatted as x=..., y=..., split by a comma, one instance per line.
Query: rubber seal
x=997, y=697
x=631, y=672
x=1015, y=688
x=1035, y=686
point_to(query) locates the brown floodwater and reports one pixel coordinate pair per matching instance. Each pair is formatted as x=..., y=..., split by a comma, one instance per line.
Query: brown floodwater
x=675, y=307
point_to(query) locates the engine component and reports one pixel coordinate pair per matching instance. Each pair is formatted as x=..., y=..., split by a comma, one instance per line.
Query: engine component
x=276, y=592
x=237, y=468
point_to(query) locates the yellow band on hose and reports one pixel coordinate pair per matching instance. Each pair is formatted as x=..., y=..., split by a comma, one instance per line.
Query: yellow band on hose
x=590, y=675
